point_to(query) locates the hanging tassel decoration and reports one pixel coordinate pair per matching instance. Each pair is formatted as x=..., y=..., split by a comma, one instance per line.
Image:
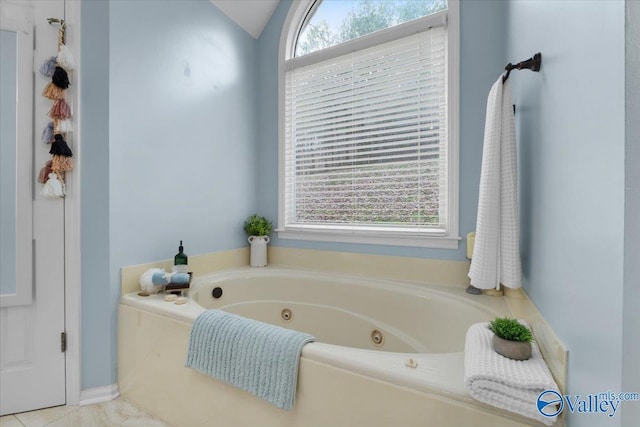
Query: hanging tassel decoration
x=53, y=92
x=48, y=67
x=60, y=110
x=60, y=78
x=53, y=187
x=64, y=126
x=44, y=172
x=47, y=133
x=65, y=58
x=61, y=157
x=61, y=163
x=53, y=173
x=59, y=147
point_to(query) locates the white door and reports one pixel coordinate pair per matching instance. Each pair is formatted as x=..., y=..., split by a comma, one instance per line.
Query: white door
x=32, y=366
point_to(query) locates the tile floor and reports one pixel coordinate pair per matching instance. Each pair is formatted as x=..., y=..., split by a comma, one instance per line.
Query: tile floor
x=117, y=412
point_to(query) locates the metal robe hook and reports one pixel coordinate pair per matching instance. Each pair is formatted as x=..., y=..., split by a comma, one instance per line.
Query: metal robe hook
x=62, y=26
x=56, y=21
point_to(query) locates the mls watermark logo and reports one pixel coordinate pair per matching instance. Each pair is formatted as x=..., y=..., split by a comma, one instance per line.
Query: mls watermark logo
x=550, y=403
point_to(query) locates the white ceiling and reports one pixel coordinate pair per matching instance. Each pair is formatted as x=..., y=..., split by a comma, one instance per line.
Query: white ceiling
x=250, y=15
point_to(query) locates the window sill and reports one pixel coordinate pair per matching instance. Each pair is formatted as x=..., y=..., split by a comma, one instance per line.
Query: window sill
x=412, y=238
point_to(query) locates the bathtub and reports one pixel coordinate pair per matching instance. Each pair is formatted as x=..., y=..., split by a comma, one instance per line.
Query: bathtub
x=388, y=353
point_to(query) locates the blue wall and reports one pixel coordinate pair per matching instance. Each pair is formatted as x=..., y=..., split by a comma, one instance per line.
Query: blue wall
x=482, y=58
x=170, y=124
x=570, y=126
x=97, y=310
x=183, y=127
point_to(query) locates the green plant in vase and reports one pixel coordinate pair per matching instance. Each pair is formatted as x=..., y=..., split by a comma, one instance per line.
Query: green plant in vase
x=257, y=226
x=511, y=338
x=258, y=229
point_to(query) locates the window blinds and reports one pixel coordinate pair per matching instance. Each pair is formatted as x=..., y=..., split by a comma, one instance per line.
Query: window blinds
x=366, y=137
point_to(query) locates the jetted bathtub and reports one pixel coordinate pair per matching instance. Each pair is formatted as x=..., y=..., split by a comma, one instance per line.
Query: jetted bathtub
x=388, y=353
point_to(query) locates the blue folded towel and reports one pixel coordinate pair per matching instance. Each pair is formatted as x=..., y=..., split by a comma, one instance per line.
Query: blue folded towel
x=254, y=356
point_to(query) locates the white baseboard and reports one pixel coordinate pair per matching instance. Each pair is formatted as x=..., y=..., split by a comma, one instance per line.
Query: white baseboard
x=99, y=394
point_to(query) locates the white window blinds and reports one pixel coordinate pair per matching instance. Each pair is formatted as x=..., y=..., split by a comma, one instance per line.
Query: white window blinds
x=366, y=137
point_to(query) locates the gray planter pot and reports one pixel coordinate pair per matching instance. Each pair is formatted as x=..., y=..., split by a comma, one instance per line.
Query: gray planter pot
x=516, y=350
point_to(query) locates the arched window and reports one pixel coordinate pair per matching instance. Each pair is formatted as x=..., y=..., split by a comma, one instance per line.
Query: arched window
x=368, y=149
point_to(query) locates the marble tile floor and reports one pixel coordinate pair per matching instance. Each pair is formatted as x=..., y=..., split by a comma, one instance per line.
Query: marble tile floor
x=117, y=412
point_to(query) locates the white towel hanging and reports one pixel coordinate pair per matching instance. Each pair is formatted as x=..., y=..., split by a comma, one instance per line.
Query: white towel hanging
x=496, y=253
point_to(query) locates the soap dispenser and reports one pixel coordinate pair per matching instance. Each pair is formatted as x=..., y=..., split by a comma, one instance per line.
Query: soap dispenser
x=180, y=261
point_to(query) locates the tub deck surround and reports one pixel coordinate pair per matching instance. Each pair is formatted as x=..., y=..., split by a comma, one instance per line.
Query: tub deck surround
x=418, y=270
x=555, y=353
x=334, y=379
x=198, y=264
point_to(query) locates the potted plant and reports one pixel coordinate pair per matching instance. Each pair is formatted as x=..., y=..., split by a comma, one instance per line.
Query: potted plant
x=258, y=229
x=512, y=339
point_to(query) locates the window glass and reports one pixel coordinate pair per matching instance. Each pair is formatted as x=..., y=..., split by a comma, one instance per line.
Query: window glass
x=367, y=136
x=336, y=21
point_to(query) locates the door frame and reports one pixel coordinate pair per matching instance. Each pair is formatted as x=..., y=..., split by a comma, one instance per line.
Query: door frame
x=72, y=249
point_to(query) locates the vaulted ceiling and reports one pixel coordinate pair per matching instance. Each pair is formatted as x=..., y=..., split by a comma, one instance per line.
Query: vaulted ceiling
x=250, y=15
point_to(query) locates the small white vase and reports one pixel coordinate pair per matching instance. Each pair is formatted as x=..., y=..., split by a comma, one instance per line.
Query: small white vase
x=259, y=250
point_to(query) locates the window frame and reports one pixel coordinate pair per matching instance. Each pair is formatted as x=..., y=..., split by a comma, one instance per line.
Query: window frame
x=414, y=237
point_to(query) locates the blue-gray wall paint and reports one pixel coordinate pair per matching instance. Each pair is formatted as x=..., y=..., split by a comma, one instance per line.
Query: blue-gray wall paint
x=631, y=296
x=8, y=85
x=169, y=130
x=482, y=58
x=183, y=127
x=570, y=126
x=97, y=311
x=268, y=113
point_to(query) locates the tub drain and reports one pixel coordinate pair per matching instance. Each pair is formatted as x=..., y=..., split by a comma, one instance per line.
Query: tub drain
x=286, y=315
x=377, y=338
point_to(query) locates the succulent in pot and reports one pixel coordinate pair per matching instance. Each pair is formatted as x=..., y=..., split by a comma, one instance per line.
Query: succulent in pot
x=258, y=228
x=511, y=338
